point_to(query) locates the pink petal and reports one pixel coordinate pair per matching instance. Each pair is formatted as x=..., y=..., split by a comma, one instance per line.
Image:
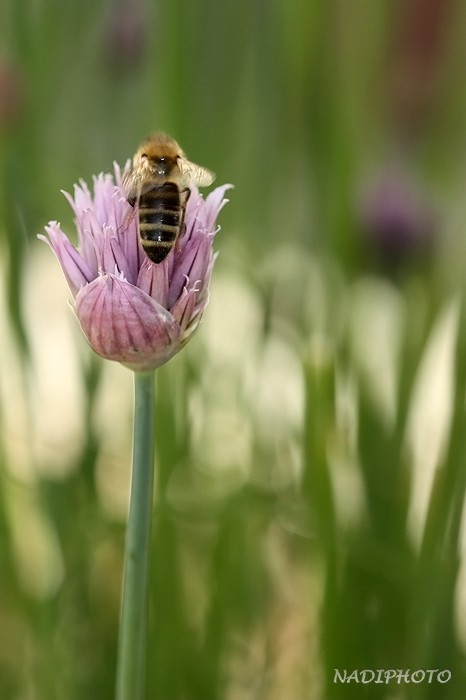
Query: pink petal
x=127, y=233
x=193, y=208
x=153, y=280
x=214, y=203
x=82, y=197
x=123, y=323
x=76, y=270
x=191, y=266
x=183, y=309
x=103, y=193
x=113, y=258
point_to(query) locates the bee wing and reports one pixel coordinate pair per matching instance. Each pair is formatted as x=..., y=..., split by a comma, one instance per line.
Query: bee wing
x=134, y=186
x=131, y=186
x=195, y=174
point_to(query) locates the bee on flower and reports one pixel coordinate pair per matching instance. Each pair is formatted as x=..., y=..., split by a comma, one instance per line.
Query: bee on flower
x=130, y=309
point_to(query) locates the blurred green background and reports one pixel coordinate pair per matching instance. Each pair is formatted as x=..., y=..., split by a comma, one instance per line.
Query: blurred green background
x=311, y=461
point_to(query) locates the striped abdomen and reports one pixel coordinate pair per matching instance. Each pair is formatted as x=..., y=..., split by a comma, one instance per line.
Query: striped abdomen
x=161, y=216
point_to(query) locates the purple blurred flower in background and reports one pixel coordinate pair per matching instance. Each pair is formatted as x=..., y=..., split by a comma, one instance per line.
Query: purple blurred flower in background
x=130, y=309
x=126, y=32
x=397, y=218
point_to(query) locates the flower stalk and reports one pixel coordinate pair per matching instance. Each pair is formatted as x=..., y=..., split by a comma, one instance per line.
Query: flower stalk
x=132, y=645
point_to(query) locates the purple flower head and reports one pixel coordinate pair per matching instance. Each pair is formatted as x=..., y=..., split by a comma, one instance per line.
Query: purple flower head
x=397, y=218
x=130, y=309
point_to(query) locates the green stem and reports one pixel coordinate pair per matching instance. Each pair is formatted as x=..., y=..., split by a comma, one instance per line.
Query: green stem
x=132, y=647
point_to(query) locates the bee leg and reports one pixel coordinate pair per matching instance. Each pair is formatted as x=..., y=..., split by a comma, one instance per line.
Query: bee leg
x=128, y=217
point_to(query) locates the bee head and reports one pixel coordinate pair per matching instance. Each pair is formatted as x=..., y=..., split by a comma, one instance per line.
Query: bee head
x=158, y=156
x=158, y=165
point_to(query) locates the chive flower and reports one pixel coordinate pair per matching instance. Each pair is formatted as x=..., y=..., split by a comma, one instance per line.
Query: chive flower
x=397, y=218
x=130, y=309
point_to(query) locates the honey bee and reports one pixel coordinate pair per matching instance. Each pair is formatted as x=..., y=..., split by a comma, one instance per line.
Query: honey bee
x=158, y=185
